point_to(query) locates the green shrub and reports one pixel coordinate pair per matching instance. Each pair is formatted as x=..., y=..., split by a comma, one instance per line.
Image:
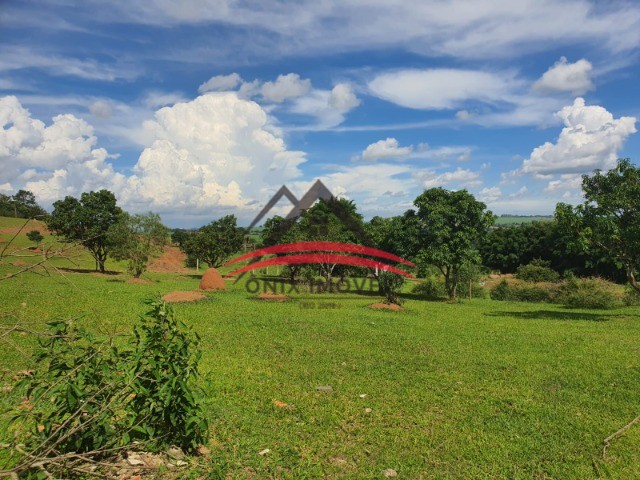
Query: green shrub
x=90, y=395
x=537, y=271
x=431, y=288
x=585, y=293
x=390, y=285
x=521, y=292
x=631, y=296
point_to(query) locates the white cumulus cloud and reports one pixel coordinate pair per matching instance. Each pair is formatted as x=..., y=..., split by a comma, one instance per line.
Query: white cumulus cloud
x=385, y=149
x=566, y=77
x=204, y=157
x=461, y=177
x=220, y=83
x=438, y=89
x=329, y=107
x=590, y=139
x=285, y=87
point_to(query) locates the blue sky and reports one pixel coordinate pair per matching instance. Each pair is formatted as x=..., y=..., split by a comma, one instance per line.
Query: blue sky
x=201, y=108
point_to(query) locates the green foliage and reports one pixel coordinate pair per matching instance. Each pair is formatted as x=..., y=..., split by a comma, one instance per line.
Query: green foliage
x=179, y=236
x=432, y=288
x=631, y=297
x=451, y=224
x=90, y=395
x=609, y=219
x=164, y=362
x=75, y=397
x=537, y=271
x=135, y=238
x=521, y=292
x=390, y=285
x=585, y=293
x=216, y=242
x=21, y=205
x=87, y=221
x=35, y=236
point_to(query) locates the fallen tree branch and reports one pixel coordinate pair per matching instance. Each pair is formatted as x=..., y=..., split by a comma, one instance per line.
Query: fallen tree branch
x=615, y=435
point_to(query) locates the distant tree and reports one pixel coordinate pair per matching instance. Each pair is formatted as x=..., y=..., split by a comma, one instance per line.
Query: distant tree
x=333, y=220
x=451, y=224
x=609, y=219
x=216, y=242
x=135, y=238
x=35, y=236
x=87, y=221
x=179, y=236
x=21, y=205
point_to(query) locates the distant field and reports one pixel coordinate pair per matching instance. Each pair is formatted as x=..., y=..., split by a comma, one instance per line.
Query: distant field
x=481, y=389
x=515, y=220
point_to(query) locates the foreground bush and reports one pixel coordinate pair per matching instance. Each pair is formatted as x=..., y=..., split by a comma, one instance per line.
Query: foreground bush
x=91, y=397
x=390, y=285
x=631, y=296
x=432, y=288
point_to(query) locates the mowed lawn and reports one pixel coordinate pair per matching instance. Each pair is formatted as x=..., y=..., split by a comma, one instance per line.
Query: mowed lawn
x=481, y=389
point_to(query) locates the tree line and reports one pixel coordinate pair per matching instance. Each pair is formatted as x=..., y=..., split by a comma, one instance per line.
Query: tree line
x=450, y=231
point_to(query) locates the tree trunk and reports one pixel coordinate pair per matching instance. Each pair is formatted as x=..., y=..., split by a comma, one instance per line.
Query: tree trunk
x=632, y=279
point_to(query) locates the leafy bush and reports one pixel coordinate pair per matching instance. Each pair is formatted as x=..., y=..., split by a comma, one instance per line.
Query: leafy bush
x=521, y=292
x=390, y=284
x=585, y=293
x=631, y=297
x=35, y=236
x=89, y=396
x=431, y=288
x=537, y=271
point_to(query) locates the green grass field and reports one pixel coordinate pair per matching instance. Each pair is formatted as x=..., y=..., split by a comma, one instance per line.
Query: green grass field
x=480, y=389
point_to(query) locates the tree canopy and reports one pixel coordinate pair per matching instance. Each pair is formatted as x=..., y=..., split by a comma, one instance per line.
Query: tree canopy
x=22, y=205
x=135, y=238
x=609, y=218
x=216, y=242
x=451, y=225
x=87, y=221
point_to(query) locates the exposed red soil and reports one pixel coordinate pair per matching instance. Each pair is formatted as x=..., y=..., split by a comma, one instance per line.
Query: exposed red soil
x=275, y=297
x=386, y=306
x=212, y=280
x=170, y=261
x=178, y=297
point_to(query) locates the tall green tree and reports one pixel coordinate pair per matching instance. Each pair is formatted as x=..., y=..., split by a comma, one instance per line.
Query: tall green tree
x=21, y=205
x=135, y=238
x=216, y=242
x=609, y=219
x=451, y=225
x=87, y=221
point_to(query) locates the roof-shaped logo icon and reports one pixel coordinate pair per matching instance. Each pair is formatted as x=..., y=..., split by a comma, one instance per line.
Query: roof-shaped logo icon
x=316, y=192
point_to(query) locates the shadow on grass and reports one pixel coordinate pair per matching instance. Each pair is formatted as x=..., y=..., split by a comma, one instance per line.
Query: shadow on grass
x=556, y=315
x=88, y=270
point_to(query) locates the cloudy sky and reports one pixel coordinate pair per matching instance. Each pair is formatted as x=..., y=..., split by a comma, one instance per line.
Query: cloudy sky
x=200, y=108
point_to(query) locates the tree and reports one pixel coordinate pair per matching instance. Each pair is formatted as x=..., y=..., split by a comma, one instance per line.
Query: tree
x=451, y=224
x=216, y=242
x=609, y=219
x=21, y=205
x=333, y=220
x=135, y=238
x=35, y=236
x=87, y=221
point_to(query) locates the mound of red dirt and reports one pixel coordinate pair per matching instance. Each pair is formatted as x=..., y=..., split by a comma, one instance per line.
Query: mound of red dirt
x=177, y=297
x=386, y=306
x=275, y=297
x=170, y=261
x=212, y=280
